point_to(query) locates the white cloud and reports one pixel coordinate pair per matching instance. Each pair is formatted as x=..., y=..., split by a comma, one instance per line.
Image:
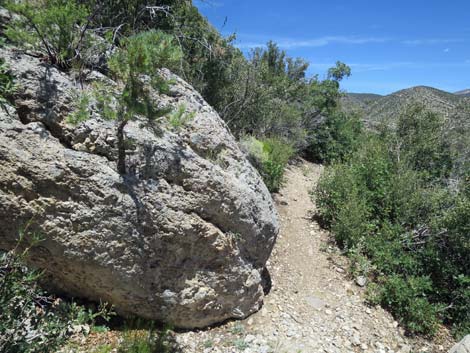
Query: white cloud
x=255, y=41
x=388, y=66
x=432, y=41
x=315, y=42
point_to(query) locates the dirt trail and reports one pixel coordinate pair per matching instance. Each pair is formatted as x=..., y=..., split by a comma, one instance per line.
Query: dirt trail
x=313, y=305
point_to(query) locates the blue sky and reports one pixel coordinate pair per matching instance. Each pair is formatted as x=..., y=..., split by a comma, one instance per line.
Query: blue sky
x=389, y=44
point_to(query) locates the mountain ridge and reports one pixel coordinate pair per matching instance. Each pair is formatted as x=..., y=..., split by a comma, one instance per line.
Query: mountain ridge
x=465, y=93
x=376, y=109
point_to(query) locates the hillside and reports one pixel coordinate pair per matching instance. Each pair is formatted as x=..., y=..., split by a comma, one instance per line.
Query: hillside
x=465, y=93
x=358, y=102
x=376, y=109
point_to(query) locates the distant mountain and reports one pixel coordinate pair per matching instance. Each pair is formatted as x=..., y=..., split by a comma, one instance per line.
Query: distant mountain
x=376, y=109
x=454, y=107
x=465, y=93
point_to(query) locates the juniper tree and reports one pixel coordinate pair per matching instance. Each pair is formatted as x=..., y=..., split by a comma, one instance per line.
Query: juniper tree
x=55, y=27
x=136, y=68
x=140, y=55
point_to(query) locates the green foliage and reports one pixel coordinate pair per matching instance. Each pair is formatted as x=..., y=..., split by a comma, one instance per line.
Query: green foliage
x=270, y=156
x=388, y=201
x=106, y=101
x=271, y=96
x=361, y=265
x=340, y=71
x=106, y=348
x=31, y=321
x=80, y=113
x=24, y=325
x=145, y=341
x=334, y=138
x=55, y=27
x=240, y=344
x=407, y=298
x=447, y=256
x=142, y=55
x=180, y=117
x=421, y=137
x=278, y=153
x=131, y=16
x=7, y=83
x=136, y=67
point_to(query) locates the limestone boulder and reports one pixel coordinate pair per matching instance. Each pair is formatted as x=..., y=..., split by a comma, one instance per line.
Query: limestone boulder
x=182, y=238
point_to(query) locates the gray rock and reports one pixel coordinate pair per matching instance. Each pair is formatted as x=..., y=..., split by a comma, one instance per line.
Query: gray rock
x=361, y=281
x=183, y=238
x=356, y=339
x=462, y=347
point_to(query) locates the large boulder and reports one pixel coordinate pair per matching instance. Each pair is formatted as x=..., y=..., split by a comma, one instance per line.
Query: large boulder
x=182, y=238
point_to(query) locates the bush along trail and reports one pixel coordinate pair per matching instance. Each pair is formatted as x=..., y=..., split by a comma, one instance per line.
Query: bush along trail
x=315, y=304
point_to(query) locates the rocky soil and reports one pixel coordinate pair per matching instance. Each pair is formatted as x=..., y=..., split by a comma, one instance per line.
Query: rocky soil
x=314, y=305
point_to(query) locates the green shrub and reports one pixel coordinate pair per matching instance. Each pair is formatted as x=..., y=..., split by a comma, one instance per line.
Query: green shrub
x=423, y=143
x=142, y=54
x=447, y=255
x=406, y=298
x=142, y=337
x=278, y=152
x=7, y=85
x=180, y=117
x=270, y=156
x=57, y=28
x=24, y=325
x=343, y=205
x=135, y=65
x=80, y=112
x=334, y=138
x=361, y=265
x=389, y=201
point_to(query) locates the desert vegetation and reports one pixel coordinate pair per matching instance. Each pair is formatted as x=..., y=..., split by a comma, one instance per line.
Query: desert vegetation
x=392, y=203
x=396, y=198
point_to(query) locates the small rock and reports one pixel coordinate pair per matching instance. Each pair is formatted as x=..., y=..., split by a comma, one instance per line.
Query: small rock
x=290, y=333
x=379, y=345
x=249, y=338
x=356, y=340
x=361, y=281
